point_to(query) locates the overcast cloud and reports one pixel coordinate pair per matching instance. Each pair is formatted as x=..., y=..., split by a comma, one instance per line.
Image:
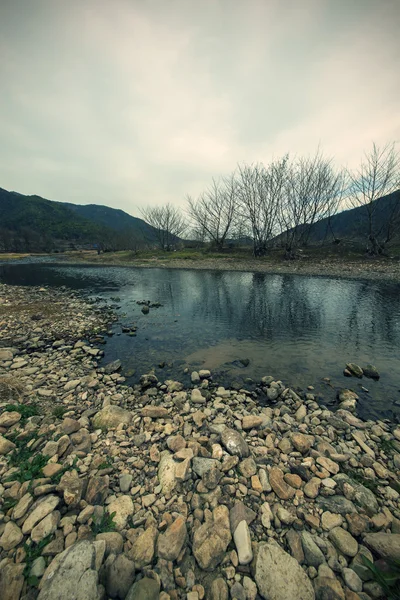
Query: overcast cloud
x=135, y=102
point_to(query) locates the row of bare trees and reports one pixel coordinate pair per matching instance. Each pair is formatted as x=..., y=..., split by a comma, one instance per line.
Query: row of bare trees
x=281, y=203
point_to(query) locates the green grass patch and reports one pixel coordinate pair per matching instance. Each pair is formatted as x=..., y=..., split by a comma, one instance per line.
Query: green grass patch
x=33, y=551
x=25, y=410
x=59, y=412
x=388, y=578
x=103, y=524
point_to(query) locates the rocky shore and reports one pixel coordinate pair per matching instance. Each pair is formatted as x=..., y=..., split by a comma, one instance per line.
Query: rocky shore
x=157, y=492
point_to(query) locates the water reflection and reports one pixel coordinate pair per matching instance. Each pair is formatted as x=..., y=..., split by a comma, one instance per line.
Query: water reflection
x=298, y=328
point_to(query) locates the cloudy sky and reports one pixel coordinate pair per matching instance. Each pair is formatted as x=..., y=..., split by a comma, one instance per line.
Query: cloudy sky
x=135, y=102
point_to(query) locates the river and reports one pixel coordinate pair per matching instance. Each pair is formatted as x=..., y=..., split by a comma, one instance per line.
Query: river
x=296, y=328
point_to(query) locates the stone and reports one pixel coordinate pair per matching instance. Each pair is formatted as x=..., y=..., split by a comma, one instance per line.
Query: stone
x=336, y=504
x=234, y=443
x=354, y=370
x=112, y=367
x=125, y=482
x=330, y=520
x=237, y=592
x=69, y=426
x=202, y=465
x=38, y=567
x=123, y=509
x=142, y=551
x=386, y=545
x=71, y=385
x=242, y=541
x=301, y=413
x=311, y=488
x=154, y=412
x=301, y=442
x=295, y=545
x=97, y=490
x=46, y=527
x=278, y=484
x=40, y=510
x=251, y=422
x=328, y=588
x=114, y=542
x=166, y=472
x=211, y=539
x=12, y=536
x=371, y=372
x=170, y=543
x=328, y=464
x=279, y=576
x=197, y=397
x=9, y=418
x=266, y=515
x=110, y=417
x=240, y=512
x=72, y=487
x=22, y=507
x=218, y=589
x=5, y=446
x=144, y=589
x=358, y=565
x=119, y=577
x=359, y=437
x=352, y=580
x=250, y=588
x=313, y=555
x=71, y=575
x=293, y=480
x=247, y=467
x=344, y=541
x=11, y=581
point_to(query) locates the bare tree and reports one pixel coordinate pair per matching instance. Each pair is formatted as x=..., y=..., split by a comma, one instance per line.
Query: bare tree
x=168, y=223
x=378, y=176
x=260, y=191
x=312, y=187
x=214, y=211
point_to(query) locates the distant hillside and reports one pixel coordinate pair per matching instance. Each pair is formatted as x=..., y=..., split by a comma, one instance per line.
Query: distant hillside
x=32, y=223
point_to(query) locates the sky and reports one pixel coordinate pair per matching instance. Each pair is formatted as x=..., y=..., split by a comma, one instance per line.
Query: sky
x=130, y=103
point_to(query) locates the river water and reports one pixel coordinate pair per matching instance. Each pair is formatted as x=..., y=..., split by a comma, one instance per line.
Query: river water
x=296, y=328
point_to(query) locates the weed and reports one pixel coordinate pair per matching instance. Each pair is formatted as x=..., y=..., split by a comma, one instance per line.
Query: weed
x=59, y=411
x=388, y=578
x=9, y=503
x=29, y=466
x=33, y=551
x=25, y=410
x=358, y=477
x=103, y=524
x=107, y=464
x=388, y=446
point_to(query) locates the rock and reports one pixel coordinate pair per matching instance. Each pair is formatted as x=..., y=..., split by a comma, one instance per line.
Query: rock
x=328, y=464
x=311, y=489
x=218, y=590
x=38, y=567
x=248, y=467
x=97, y=490
x=114, y=542
x=46, y=527
x=9, y=418
x=278, y=484
x=171, y=542
x=22, y=507
x=360, y=439
x=371, y=372
x=386, y=545
x=71, y=385
x=6, y=354
x=71, y=575
x=211, y=539
x=12, y=536
x=266, y=515
x=142, y=551
x=279, y=576
x=250, y=588
x=242, y=541
x=144, y=589
x=125, y=482
x=240, y=512
x=336, y=504
x=112, y=367
x=202, y=465
x=72, y=487
x=328, y=588
x=312, y=553
x=110, y=417
x=166, y=472
x=123, y=509
x=251, y=422
x=343, y=541
x=195, y=377
x=330, y=520
x=154, y=412
x=237, y=592
x=119, y=577
x=295, y=545
x=197, y=397
x=234, y=443
x=352, y=580
x=40, y=510
x=11, y=581
x=354, y=370
x=301, y=413
x=301, y=442
x=5, y=446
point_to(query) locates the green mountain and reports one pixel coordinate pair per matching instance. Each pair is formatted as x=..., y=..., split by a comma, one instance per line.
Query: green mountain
x=32, y=223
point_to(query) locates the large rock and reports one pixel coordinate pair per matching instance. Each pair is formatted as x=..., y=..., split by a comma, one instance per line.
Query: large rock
x=11, y=581
x=119, y=577
x=142, y=551
x=9, y=418
x=46, y=527
x=144, y=589
x=166, y=472
x=123, y=509
x=336, y=504
x=386, y=545
x=211, y=539
x=235, y=443
x=218, y=590
x=279, y=576
x=111, y=416
x=5, y=445
x=344, y=541
x=72, y=487
x=40, y=510
x=12, y=536
x=171, y=542
x=97, y=490
x=72, y=575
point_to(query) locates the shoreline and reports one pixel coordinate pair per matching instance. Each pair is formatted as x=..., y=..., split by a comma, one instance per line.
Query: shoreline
x=186, y=493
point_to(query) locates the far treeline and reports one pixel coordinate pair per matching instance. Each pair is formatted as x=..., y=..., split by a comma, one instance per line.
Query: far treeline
x=292, y=203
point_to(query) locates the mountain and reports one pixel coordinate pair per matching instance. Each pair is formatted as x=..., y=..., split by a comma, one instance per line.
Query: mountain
x=32, y=223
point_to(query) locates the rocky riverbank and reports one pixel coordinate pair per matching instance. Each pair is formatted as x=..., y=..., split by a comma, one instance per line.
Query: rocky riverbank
x=160, y=492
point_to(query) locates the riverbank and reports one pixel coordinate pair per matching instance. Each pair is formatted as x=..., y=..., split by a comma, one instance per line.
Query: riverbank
x=177, y=492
